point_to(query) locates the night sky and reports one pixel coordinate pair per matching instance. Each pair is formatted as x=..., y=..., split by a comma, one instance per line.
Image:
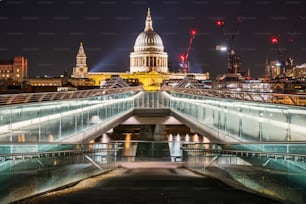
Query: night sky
x=48, y=32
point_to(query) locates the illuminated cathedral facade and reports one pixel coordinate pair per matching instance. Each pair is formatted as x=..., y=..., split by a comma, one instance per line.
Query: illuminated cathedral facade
x=148, y=52
x=148, y=62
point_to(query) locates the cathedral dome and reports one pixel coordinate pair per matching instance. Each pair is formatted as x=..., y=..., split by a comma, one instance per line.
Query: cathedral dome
x=148, y=54
x=148, y=40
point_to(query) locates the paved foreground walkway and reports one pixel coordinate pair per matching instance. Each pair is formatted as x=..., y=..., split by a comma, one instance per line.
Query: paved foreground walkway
x=142, y=183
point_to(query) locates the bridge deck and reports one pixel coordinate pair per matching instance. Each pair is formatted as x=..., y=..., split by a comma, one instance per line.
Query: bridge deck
x=150, y=183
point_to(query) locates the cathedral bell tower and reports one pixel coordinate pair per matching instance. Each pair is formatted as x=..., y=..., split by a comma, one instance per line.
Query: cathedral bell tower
x=81, y=69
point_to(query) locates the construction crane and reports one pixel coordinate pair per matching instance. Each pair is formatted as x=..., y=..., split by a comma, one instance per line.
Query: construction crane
x=284, y=63
x=233, y=61
x=184, y=58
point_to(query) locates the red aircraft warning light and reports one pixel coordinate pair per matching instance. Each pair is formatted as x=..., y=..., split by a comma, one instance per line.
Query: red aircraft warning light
x=182, y=57
x=220, y=23
x=193, y=32
x=274, y=40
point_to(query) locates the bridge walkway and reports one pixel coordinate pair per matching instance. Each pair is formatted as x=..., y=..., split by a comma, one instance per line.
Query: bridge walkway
x=150, y=182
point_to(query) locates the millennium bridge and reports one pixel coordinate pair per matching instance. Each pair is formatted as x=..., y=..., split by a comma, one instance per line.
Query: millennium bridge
x=52, y=140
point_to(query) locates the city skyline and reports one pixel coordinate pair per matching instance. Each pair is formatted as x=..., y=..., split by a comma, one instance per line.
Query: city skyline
x=48, y=33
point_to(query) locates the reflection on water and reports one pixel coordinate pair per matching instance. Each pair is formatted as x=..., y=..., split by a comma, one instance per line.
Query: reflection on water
x=175, y=150
x=195, y=138
x=170, y=137
x=50, y=138
x=169, y=150
x=100, y=156
x=206, y=141
x=105, y=138
x=129, y=150
x=21, y=138
x=187, y=138
x=127, y=142
x=178, y=138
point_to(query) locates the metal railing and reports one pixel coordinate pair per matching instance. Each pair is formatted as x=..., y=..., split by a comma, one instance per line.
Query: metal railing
x=7, y=99
x=33, y=155
x=22, y=151
x=252, y=154
x=273, y=169
x=279, y=98
x=50, y=166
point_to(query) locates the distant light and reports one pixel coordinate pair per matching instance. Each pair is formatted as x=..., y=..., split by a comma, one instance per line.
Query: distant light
x=193, y=32
x=274, y=40
x=182, y=57
x=221, y=48
x=220, y=23
x=278, y=64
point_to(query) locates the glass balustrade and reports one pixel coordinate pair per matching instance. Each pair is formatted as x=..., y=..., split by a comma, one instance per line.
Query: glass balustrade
x=30, y=169
x=152, y=100
x=54, y=121
x=29, y=132
x=243, y=120
x=275, y=169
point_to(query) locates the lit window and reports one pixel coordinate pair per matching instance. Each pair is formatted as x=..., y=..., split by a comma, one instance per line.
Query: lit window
x=18, y=75
x=17, y=70
x=7, y=75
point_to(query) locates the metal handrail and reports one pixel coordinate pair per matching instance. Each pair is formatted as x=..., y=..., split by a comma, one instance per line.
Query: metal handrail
x=7, y=99
x=267, y=97
x=285, y=156
x=30, y=155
